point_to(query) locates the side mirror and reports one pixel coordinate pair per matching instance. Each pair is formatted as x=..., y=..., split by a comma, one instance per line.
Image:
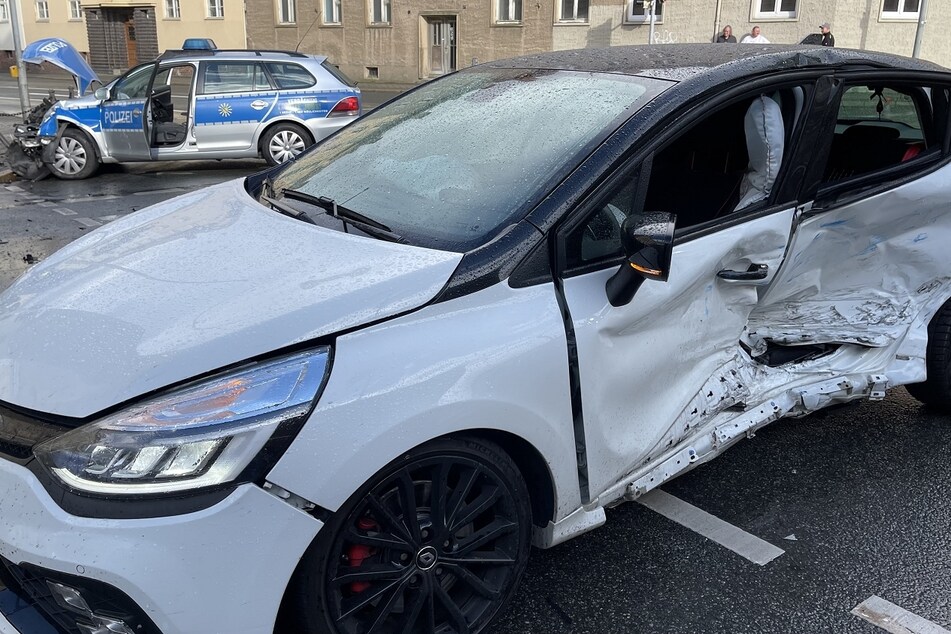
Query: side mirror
x=648, y=241
x=101, y=93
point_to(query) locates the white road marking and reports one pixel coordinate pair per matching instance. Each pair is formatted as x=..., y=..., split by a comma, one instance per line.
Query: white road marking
x=893, y=618
x=89, y=222
x=65, y=211
x=713, y=528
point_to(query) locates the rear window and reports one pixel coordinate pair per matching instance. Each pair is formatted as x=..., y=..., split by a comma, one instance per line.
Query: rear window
x=290, y=76
x=336, y=72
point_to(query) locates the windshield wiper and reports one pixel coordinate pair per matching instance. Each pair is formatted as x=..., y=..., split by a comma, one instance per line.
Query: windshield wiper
x=287, y=210
x=349, y=216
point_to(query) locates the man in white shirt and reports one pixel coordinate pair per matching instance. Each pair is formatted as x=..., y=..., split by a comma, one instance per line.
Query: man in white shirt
x=754, y=37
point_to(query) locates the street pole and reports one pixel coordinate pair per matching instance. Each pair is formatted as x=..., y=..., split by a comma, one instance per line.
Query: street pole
x=650, y=7
x=17, y=29
x=922, y=18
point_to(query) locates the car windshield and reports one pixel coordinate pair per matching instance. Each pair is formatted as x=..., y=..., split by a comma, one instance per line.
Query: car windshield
x=452, y=163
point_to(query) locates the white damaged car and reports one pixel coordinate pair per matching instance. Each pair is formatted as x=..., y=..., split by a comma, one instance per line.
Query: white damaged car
x=347, y=395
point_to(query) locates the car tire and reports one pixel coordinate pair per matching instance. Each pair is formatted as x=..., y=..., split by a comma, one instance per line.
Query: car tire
x=74, y=156
x=284, y=142
x=936, y=390
x=451, y=567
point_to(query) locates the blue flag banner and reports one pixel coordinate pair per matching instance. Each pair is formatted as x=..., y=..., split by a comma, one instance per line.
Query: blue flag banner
x=60, y=52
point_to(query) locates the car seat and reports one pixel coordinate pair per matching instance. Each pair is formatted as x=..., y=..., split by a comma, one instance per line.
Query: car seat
x=765, y=141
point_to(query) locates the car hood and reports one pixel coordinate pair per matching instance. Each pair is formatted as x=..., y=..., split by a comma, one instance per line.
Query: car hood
x=188, y=286
x=78, y=102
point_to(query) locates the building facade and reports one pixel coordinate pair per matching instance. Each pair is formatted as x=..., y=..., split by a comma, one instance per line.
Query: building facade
x=117, y=34
x=401, y=42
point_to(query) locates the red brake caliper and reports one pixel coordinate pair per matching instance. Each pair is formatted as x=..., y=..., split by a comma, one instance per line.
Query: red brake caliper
x=357, y=553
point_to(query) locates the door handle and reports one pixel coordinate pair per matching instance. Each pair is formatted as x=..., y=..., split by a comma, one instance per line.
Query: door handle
x=755, y=272
x=136, y=113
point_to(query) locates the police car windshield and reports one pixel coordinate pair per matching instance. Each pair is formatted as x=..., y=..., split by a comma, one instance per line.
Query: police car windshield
x=452, y=163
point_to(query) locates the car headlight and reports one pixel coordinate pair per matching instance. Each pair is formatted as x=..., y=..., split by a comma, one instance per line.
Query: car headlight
x=200, y=435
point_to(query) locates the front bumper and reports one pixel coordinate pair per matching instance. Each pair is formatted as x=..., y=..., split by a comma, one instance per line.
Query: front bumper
x=222, y=569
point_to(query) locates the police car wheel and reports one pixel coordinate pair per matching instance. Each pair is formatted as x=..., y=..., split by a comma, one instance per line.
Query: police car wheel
x=284, y=142
x=74, y=157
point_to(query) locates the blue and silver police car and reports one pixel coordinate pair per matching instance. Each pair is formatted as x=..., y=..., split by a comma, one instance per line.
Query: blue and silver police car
x=209, y=104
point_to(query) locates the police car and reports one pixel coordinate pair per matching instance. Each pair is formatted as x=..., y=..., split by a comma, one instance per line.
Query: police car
x=201, y=105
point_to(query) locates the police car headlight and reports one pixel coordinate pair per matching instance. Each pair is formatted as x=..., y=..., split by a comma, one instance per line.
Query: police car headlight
x=203, y=434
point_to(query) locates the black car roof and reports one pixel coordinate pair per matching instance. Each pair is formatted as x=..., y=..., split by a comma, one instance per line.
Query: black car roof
x=679, y=62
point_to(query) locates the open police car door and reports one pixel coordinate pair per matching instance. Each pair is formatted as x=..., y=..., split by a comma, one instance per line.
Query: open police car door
x=125, y=117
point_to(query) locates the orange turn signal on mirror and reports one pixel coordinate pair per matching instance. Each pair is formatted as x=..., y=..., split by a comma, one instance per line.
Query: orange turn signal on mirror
x=645, y=270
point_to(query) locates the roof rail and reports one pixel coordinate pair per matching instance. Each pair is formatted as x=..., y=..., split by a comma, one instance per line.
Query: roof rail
x=198, y=52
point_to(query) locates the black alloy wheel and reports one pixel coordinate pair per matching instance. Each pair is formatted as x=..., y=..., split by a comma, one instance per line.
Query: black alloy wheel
x=435, y=543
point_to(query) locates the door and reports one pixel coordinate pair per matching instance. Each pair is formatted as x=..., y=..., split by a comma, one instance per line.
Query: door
x=234, y=98
x=124, y=116
x=442, y=45
x=132, y=50
x=654, y=371
x=869, y=260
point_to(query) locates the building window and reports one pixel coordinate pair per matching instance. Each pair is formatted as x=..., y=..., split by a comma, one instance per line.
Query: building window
x=639, y=11
x=173, y=9
x=508, y=11
x=775, y=9
x=4, y=11
x=216, y=8
x=42, y=10
x=286, y=11
x=75, y=10
x=900, y=9
x=331, y=11
x=573, y=11
x=380, y=11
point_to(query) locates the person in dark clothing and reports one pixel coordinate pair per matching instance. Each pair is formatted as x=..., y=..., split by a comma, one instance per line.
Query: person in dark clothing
x=827, y=38
x=727, y=36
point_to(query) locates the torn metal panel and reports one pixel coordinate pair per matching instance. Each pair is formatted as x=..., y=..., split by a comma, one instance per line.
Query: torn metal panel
x=641, y=364
x=862, y=273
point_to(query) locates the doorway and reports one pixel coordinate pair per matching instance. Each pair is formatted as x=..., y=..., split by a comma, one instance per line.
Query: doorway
x=132, y=49
x=441, y=33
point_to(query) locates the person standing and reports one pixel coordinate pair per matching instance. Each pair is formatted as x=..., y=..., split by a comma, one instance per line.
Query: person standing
x=827, y=38
x=727, y=36
x=754, y=37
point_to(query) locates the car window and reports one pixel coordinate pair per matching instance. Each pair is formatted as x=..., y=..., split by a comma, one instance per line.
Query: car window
x=339, y=74
x=135, y=84
x=290, y=76
x=726, y=163
x=231, y=77
x=457, y=159
x=878, y=127
x=598, y=238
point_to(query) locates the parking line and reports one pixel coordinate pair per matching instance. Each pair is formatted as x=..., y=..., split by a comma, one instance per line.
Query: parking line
x=713, y=528
x=893, y=618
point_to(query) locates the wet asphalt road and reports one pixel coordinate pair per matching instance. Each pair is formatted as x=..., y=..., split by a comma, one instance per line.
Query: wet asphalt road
x=864, y=489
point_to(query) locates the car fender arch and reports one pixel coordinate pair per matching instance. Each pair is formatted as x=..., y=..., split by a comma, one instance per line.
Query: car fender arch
x=95, y=136
x=440, y=371
x=284, y=118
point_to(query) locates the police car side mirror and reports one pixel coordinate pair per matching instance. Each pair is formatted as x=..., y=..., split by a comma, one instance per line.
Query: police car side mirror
x=648, y=241
x=101, y=94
